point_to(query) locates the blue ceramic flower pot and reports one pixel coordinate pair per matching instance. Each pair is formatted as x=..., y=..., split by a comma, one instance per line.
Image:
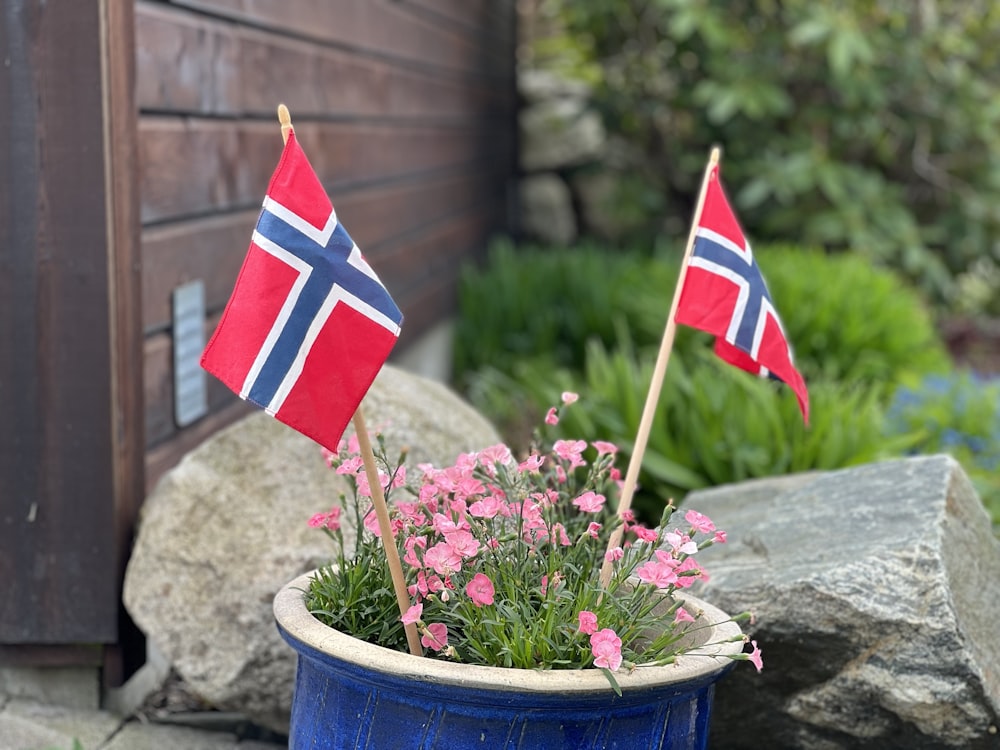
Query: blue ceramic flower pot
x=351, y=695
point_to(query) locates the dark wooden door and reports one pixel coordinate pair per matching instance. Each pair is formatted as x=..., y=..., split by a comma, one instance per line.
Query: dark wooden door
x=71, y=435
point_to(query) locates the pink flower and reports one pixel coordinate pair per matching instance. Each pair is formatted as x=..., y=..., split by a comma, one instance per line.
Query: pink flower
x=487, y=507
x=568, y=397
x=552, y=417
x=351, y=466
x=693, y=573
x=720, y=537
x=371, y=523
x=435, y=636
x=605, y=448
x=589, y=502
x=425, y=584
x=613, y=555
x=412, y=615
x=607, y=649
x=570, y=450
x=329, y=520
x=410, y=546
x=658, y=574
x=594, y=528
x=495, y=454
x=443, y=558
x=681, y=543
x=443, y=525
x=588, y=622
x=682, y=616
x=464, y=544
x=353, y=444
x=531, y=464
x=699, y=522
x=480, y=590
x=644, y=534
x=755, y=657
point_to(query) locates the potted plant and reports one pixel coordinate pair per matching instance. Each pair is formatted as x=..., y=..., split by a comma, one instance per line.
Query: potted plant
x=526, y=643
x=550, y=620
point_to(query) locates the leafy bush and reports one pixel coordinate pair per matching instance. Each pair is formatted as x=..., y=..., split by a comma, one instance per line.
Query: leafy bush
x=847, y=320
x=714, y=424
x=862, y=124
x=533, y=299
x=957, y=414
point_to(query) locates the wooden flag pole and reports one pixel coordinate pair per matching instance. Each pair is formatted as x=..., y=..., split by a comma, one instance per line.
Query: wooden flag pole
x=378, y=495
x=656, y=385
x=385, y=527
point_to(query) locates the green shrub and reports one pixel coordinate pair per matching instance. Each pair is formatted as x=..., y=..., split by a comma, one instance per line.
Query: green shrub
x=530, y=300
x=713, y=424
x=864, y=124
x=847, y=321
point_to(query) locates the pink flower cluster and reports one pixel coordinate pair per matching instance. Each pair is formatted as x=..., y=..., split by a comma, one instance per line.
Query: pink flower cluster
x=492, y=541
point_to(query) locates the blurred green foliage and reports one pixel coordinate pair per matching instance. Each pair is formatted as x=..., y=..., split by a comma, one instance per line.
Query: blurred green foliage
x=868, y=125
x=851, y=322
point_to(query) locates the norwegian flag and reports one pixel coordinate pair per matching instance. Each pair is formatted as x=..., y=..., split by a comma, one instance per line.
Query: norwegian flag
x=724, y=294
x=309, y=324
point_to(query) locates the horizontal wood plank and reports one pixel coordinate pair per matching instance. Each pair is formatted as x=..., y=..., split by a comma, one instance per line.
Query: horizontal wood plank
x=314, y=81
x=196, y=167
x=191, y=64
x=489, y=19
x=185, y=63
x=383, y=28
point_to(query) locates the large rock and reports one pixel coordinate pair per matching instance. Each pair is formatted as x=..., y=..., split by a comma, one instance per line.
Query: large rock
x=547, y=212
x=876, y=592
x=226, y=528
x=559, y=133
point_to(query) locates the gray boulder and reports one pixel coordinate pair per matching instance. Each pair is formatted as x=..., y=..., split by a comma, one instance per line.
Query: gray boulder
x=226, y=528
x=559, y=133
x=547, y=212
x=536, y=86
x=876, y=592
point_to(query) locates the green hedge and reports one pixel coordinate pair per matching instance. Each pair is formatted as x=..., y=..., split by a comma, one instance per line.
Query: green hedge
x=846, y=320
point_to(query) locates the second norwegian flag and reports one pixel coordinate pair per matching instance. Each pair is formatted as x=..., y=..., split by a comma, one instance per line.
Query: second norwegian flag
x=724, y=294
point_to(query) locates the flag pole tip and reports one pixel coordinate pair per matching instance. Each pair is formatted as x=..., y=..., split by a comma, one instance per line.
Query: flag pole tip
x=285, y=118
x=715, y=155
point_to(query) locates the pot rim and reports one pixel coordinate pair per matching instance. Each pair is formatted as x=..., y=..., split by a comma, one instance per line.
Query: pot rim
x=298, y=624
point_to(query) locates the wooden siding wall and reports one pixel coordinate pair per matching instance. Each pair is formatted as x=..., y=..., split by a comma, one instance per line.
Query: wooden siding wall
x=405, y=108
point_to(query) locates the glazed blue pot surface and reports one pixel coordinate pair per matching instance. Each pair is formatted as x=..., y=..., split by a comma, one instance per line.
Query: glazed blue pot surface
x=364, y=699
